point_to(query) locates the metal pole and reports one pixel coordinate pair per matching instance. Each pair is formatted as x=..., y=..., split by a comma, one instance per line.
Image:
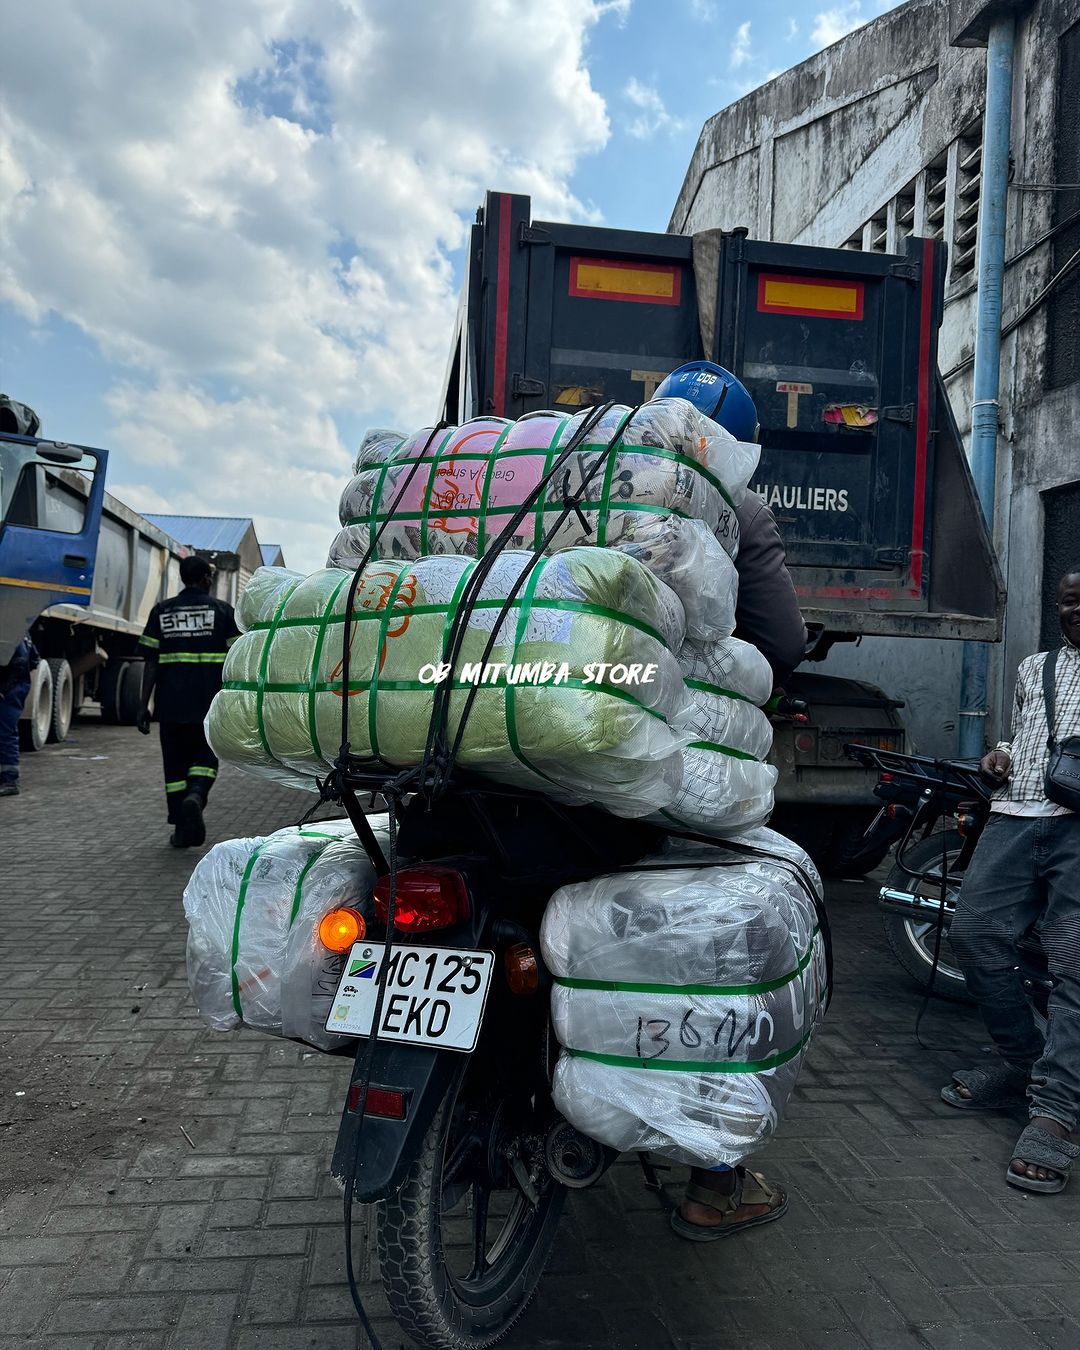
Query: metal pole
x=993, y=194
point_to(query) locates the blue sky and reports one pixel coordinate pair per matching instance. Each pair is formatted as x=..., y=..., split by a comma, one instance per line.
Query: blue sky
x=233, y=233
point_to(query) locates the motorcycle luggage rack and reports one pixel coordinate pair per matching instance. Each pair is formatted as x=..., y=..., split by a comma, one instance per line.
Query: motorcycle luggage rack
x=921, y=770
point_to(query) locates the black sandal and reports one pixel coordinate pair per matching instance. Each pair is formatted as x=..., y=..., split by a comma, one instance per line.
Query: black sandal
x=1039, y=1148
x=1000, y=1088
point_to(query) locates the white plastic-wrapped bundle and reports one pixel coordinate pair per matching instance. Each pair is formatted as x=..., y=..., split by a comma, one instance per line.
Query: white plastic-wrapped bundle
x=666, y=495
x=253, y=908
x=726, y=784
x=684, y=997
x=555, y=710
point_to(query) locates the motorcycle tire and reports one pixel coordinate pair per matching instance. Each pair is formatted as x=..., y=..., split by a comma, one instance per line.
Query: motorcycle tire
x=912, y=939
x=438, y=1307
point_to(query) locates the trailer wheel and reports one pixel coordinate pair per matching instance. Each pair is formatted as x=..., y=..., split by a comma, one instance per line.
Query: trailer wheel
x=34, y=728
x=121, y=690
x=63, y=698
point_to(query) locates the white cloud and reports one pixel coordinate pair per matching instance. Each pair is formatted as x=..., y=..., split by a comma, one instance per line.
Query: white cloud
x=740, y=52
x=831, y=25
x=792, y=30
x=653, y=116
x=250, y=208
x=704, y=11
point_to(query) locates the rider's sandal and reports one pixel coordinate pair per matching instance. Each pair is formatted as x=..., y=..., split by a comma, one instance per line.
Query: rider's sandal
x=1039, y=1148
x=995, y=1089
x=751, y=1188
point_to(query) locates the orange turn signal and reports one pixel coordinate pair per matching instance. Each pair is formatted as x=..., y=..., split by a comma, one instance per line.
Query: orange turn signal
x=339, y=929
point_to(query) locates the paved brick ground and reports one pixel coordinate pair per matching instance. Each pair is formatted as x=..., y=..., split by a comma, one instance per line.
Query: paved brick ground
x=116, y=1231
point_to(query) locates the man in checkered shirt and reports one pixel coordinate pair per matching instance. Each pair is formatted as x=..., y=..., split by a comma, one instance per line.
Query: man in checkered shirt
x=1026, y=870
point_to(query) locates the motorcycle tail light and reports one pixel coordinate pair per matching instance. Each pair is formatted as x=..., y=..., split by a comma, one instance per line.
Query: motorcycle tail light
x=339, y=929
x=522, y=969
x=389, y=1103
x=428, y=897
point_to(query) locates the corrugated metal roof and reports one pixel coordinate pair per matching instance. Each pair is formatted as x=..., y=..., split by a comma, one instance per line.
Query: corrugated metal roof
x=222, y=534
x=270, y=555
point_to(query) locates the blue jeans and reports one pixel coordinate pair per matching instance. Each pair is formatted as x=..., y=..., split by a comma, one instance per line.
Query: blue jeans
x=11, y=706
x=1027, y=869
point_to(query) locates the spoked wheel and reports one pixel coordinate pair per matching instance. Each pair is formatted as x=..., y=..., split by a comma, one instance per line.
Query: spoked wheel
x=464, y=1242
x=912, y=938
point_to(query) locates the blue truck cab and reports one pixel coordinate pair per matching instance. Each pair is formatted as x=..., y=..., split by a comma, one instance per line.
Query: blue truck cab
x=51, y=497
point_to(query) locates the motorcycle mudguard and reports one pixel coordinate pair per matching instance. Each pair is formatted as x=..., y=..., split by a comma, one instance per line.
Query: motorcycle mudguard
x=387, y=1147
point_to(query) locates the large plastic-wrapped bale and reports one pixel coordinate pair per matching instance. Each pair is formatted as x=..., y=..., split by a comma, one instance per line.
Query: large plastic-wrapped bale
x=253, y=908
x=726, y=784
x=666, y=494
x=685, y=994
x=580, y=696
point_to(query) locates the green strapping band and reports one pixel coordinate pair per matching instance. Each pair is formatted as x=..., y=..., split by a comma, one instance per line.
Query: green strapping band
x=410, y=611
x=373, y=515
x=192, y=658
x=373, y=679
x=723, y=750
x=728, y=990
x=585, y=505
x=609, y=474
x=409, y=686
x=264, y=659
x=719, y=690
x=298, y=893
x=485, y=491
x=313, y=729
x=241, y=897
x=694, y=1065
x=425, y=503
x=509, y=704
x=540, y=505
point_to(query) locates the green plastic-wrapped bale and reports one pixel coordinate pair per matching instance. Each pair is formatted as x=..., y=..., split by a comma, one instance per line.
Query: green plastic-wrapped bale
x=571, y=730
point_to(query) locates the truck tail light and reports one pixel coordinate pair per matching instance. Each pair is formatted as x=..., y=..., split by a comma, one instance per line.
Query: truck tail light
x=428, y=897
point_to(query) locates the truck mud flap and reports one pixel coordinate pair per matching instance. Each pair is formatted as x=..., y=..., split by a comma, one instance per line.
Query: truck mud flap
x=423, y=1076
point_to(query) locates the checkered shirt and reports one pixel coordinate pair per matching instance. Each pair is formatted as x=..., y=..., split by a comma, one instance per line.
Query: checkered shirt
x=1028, y=749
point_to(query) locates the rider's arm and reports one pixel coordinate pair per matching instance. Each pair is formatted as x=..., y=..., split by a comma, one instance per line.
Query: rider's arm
x=767, y=613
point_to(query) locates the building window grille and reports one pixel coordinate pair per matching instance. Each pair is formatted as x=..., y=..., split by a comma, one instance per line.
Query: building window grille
x=935, y=179
x=966, y=223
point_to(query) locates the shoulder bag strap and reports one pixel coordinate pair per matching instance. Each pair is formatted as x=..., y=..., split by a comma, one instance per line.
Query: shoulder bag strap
x=1049, y=673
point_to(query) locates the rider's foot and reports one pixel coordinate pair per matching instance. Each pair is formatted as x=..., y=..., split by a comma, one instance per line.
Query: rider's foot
x=723, y=1183
x=1033, y=1173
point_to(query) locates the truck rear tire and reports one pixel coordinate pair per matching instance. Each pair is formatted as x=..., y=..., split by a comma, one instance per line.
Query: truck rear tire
x=121, y=691
x=34, y=728
x=63, y=698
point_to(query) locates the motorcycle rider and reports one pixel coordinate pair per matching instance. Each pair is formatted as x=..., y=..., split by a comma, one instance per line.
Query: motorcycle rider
x=1026, y=869
x=724, y=1200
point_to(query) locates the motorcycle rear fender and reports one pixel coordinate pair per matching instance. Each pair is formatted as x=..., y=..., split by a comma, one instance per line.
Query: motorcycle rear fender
x=387, y=1147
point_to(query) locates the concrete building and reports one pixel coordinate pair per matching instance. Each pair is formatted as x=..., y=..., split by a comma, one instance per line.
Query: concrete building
x=229, y=543
x=879, y=137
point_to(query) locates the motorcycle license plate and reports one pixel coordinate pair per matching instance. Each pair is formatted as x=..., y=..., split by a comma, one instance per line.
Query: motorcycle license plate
x=434, y=995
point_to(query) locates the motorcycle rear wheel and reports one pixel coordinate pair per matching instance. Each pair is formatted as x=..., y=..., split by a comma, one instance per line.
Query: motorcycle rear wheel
x=912, y=938
x=460, y=1258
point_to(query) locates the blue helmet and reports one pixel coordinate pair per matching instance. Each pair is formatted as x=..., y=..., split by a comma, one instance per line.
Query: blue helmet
x=715, y=392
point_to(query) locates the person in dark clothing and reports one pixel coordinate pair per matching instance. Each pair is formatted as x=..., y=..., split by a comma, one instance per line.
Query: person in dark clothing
x=14, y=687
x=767, y=613
x=184, y=645
x=723, y=1200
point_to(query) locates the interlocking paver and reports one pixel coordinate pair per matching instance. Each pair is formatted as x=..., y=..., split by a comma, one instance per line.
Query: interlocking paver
x=118, y=1233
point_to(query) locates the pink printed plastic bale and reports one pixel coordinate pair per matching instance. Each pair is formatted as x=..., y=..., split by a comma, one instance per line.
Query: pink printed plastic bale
x=660, y=482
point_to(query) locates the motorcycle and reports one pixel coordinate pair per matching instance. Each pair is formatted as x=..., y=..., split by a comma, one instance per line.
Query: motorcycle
x=448, y=1126
x=934, y=811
